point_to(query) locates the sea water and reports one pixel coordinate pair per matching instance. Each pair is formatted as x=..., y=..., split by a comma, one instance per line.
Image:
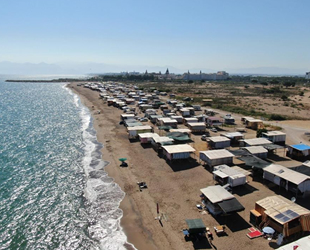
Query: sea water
x=54, y=192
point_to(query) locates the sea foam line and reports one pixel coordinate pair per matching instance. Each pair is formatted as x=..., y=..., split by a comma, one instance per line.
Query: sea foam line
x=97, y=230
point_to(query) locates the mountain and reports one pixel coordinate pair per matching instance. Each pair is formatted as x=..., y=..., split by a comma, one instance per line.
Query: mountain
x=267, y=71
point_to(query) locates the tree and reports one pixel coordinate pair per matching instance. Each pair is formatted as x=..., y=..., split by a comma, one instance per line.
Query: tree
x=259, y=132
x=264, y=83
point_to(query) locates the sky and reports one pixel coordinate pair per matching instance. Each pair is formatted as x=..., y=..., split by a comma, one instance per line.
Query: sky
x=194, y=34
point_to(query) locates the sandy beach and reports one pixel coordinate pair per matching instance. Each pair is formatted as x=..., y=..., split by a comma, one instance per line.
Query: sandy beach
x=175, y=187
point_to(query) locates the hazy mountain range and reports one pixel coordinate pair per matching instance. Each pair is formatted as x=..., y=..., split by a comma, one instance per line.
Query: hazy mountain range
x=97, y=68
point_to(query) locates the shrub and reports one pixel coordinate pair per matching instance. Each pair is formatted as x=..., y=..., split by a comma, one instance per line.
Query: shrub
x=284, y=97
x=277, y=117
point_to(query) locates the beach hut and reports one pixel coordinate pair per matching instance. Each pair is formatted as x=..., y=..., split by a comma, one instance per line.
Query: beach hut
x=197, y=107
x=132, y=123
x=186, y=121
x=144, y=107
x=276, y=137
x=159, y=141
x=130, y=101
x=258, y=151
x=286, y=178
x=178, y=118
x=229, y=119
x=281, y=214
x=216, y=157
x=254, y=142
x=207, y=102
x=218, y=142
x=127, y=116
x=181, y=130
x=219, y=201
x=234, y=137
x=214, y=121
x=149, y=112
x=185, y=112
x=133, y=132
x=197, y=127
x=167, y=122
x=201, y=118
x=191, y=110
x=175, y=152
x=147, y=137
x=179, y=106
x=299, y=151
x=254, y=124
x=153, y=118
x=244, y=119
x=224, y=174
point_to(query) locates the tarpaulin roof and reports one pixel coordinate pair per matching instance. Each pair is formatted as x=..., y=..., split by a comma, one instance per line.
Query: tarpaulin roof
x=300, y=147
x=195, y=224
x=230, y=206
x=178, y=136
x=253, y=161
x=272, y=146
x=239, y=152
x=164, y=127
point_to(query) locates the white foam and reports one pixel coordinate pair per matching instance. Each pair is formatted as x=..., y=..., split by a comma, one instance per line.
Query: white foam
x=107, y=229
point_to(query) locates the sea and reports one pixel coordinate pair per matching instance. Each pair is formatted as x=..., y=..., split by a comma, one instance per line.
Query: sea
x=54, y=191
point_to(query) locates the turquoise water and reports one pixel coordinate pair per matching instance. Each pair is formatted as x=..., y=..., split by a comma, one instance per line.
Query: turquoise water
x=54, y=192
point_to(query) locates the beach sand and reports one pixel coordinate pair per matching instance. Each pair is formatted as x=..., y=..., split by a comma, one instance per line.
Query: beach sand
x=176, y=188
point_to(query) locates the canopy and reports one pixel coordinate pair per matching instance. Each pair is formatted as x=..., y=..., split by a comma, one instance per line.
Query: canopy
x=178, y=136
x=195, y=225
x=230, y=206
x=268, y=230
x=253, y=161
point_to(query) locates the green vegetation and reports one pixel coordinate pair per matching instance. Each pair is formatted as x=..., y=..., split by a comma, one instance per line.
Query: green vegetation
x=259, y=132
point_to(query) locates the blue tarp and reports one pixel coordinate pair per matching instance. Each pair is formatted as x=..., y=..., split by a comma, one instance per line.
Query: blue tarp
x=301, y=147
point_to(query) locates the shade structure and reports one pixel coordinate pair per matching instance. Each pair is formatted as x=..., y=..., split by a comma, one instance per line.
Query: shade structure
x=195, y=226
x=122, y=159
x=268, y=230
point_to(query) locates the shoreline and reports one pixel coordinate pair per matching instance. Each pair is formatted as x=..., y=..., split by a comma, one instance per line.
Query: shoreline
x=175, y=188
x=125, y=205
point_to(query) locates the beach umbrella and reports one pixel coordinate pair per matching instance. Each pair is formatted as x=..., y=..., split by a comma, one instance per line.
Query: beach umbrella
x=122, y=159
x=268, y=230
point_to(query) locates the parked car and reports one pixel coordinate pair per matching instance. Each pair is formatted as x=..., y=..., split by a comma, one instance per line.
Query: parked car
x=143, y=119
x=204, y=136
x=213, y=129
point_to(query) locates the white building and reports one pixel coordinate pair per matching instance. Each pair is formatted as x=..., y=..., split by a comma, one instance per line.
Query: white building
x=307, y=75
x=220, y=75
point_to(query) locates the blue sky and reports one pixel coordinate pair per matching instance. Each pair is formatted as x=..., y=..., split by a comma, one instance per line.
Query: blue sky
x=206, y=34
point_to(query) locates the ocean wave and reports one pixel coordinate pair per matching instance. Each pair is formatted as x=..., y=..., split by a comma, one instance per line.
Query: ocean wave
x=103, y=195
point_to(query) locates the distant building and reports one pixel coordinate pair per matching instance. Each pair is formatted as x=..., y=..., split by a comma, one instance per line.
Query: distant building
x=307, y=75
x=220, y=75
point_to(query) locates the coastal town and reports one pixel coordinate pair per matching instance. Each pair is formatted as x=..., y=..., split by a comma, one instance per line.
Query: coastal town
x=197, y=177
